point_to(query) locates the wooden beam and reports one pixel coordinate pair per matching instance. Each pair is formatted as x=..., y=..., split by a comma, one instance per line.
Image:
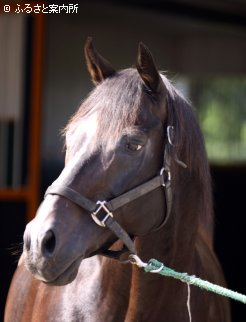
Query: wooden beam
x=35, y=128
x=10, y=194
x=30, y=192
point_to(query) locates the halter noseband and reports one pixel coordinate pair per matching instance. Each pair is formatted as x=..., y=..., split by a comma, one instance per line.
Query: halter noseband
x=102, y=211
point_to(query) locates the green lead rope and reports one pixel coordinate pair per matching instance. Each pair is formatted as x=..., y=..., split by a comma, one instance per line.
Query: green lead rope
x=155, y=266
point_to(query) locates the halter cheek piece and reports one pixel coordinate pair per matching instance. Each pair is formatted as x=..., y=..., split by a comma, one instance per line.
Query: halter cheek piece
x=102, y=211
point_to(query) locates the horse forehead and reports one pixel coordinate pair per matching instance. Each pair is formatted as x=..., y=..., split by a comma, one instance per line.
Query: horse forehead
x=85, y=129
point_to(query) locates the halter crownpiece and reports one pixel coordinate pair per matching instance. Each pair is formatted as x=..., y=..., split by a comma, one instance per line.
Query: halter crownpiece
x=102, y=211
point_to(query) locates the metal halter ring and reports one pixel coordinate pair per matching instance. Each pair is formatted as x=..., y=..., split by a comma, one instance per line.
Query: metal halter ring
x=168, y=175
x=108, y=213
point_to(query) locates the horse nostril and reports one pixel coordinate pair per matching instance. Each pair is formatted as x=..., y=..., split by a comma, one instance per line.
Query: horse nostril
x=48, y=243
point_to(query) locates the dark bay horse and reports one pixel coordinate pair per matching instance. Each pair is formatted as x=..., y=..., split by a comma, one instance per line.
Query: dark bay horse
x=136, y=179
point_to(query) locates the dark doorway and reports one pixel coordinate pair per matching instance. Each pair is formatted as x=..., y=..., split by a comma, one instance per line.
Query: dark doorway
x=230, y=223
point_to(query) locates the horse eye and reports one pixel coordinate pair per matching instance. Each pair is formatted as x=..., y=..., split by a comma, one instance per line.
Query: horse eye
x=133, y=147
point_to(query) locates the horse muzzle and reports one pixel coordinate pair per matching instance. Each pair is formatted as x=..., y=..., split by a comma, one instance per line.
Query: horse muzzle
x=41, y=260
x=53, y=243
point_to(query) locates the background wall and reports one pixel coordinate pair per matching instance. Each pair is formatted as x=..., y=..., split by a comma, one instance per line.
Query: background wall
x=180, y=46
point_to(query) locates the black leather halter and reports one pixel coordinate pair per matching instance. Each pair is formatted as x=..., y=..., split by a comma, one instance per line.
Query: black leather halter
x=102, y=211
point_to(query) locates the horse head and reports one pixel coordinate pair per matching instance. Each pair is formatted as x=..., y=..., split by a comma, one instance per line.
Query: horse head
x=114, y=143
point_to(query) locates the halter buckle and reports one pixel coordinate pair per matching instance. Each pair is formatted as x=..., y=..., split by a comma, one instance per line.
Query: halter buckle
x=102, y=206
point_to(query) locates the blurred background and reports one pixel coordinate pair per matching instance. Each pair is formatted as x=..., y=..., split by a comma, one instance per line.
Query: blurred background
x=201, y=46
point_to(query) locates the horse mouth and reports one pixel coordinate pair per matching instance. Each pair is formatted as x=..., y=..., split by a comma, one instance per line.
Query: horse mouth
x=65, y=277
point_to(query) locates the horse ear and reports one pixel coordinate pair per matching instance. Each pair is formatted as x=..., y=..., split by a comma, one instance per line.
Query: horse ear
x=147, y=69
x=98, y=67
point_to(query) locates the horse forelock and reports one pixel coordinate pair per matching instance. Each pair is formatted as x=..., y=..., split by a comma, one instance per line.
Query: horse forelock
x=117, y=102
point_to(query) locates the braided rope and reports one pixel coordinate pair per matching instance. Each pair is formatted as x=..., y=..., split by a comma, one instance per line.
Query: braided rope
x=155, y=266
